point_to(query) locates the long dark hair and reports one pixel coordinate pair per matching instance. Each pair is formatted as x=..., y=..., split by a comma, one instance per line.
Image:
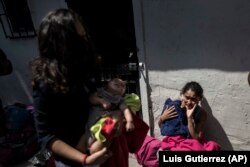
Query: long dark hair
x=65, y=56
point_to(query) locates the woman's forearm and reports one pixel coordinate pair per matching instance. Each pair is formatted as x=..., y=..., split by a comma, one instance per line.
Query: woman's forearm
x=191, y=129
x=60, y=148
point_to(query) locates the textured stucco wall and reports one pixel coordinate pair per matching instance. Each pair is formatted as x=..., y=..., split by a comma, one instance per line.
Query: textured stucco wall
x=205, y=41
x=17, y=86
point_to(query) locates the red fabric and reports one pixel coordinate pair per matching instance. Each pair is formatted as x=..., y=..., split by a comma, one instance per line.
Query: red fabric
x=108, y=128
x=136, y=137
x=147, y=155
x=179, y=143
x=119, y=149
x=127, y=142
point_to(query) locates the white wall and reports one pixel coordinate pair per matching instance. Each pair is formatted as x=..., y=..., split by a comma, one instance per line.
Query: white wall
x=205, y=41
x=17, y=86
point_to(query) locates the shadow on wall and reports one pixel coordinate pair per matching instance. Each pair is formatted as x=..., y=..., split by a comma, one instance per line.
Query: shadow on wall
x=214, y=130
x=206, y=34
x=17, y=91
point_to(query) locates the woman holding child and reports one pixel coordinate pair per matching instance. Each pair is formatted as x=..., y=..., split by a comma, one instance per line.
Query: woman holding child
x=61, y=90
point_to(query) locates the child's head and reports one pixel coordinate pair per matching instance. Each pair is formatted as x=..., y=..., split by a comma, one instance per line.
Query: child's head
x=116, y=86
x=64, y=49
x=191, y=94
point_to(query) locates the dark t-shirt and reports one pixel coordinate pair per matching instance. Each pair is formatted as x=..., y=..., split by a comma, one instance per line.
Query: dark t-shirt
x=60, y=115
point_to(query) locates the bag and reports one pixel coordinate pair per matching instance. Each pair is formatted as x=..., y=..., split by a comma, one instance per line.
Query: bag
x=19, y=142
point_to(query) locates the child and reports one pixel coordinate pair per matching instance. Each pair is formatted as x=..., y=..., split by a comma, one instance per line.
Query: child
x=109, y=110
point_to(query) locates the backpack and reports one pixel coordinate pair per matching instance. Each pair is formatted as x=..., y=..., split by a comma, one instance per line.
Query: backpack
x=19, y=140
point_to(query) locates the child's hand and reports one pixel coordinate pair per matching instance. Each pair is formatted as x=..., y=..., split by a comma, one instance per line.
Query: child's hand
x=130, y=126
x=105, y=104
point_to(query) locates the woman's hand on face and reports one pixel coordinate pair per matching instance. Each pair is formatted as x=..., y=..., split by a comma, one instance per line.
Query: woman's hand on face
x=168, y=113
x=99, y=157
x=190, y=112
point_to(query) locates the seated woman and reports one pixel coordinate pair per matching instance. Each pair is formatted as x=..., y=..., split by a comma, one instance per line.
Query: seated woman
x=182, y=121
x=181, y=124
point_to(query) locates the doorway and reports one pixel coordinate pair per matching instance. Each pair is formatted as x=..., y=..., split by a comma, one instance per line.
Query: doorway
x=111, y=27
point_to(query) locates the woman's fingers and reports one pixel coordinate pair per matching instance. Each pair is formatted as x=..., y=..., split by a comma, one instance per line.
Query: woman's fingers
x=169, y=110
x=169, y=113
x=173, y=116
x=173, y=113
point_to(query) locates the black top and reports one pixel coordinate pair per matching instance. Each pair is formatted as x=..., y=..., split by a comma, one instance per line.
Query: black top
x=60, y=115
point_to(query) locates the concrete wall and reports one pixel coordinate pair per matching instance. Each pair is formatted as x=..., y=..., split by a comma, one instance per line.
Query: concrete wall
x=205, y=41
x=17, y=86
x=208, y=42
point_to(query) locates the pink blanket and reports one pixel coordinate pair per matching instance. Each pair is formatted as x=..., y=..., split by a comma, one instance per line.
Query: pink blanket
x=147, y=155
x=179, y=143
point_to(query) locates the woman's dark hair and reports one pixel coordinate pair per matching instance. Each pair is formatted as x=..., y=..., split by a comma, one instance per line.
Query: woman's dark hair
x=65, y=56
x=195, y=87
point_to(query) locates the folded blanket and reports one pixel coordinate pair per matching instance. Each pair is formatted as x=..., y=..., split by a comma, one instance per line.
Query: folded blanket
x=180, y=143
x=147, y=155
